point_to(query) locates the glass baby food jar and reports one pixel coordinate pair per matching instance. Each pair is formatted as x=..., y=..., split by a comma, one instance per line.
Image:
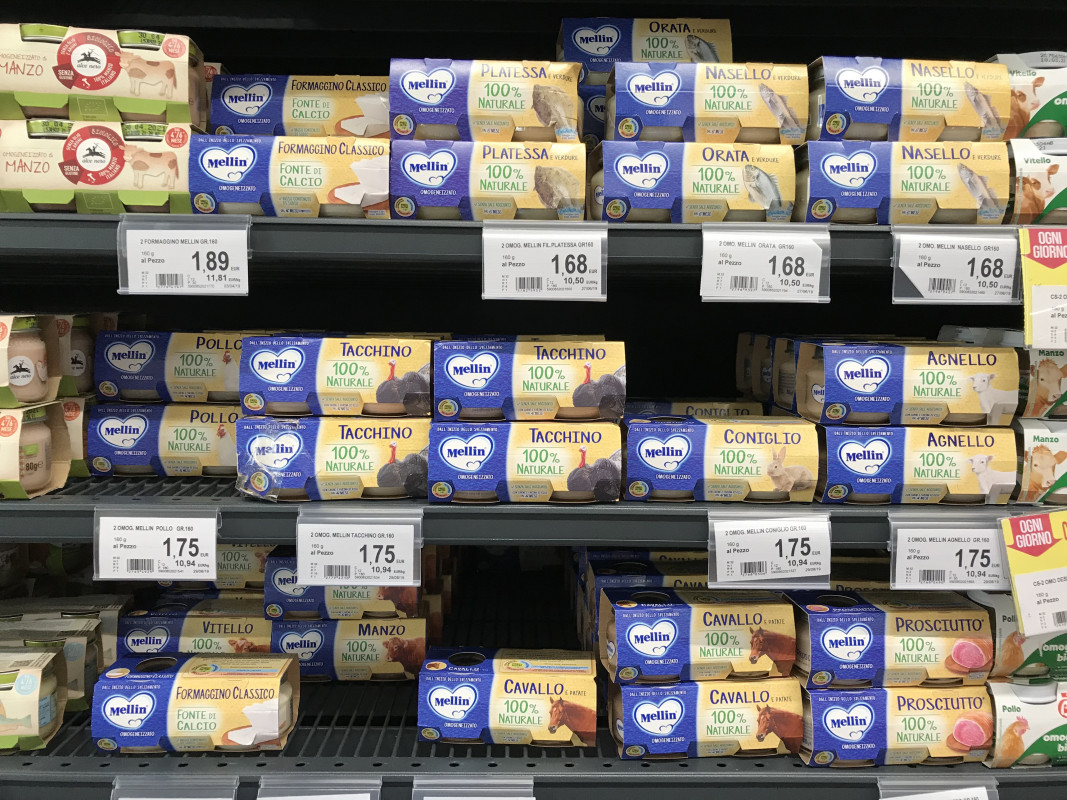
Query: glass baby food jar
x=27, y=361
x=82, y=347
x=35, y=451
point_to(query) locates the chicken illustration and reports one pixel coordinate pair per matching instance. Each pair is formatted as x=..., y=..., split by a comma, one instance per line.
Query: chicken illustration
x=1011, y=654
x=1010, y=747
x=412, y=390
x=607, y=393
x=227, y=448
x=557, y=188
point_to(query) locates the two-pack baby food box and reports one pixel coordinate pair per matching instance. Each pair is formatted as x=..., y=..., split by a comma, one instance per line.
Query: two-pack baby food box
x=897, y=384
x=594, y=102
x=538, y=697
x=1038, y=81
x=484, y=101
x=179, y=439
x=908, y=100
x=701, y=409
x=746, y=458
x=93, y=167
x=598, y=43
x=487, y=180
x=290, y=176
x=188, y=703
x=105, y=607
x=284, y=597
x=1031, y=722
x=875, y=727
x=677, y=102
x=100, y=75
x=34, y=451
x=356, y=376
x=1021, y=658
x=735, y=718
x=353, y=650
x=1042, y=453
x=301, y=105
x=1039, y=180
x=663, y=635
x=495, y=379
x=688, y=182
x=891, y=638
x=843, y=181
x=202, y=623
x=525, y=462
x=77, y=641
x=917, y=465
x=33, y=688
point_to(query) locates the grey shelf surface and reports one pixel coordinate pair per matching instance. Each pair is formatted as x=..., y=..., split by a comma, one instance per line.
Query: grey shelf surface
x=67, y=515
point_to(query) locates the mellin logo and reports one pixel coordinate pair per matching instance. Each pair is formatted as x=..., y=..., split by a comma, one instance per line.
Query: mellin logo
x=865, y=86
x=129, y=357
x=303, y=644
x=150, y=641
x=275, y=452
x=430, y=89
x=866, y=458
x=285, y=581
x=851, y=171
x=847, y=645
x=848, y=724
x=864, y=378
x=472, y=373
x=228, y=166
x=129, y=713
x=642, y=172
x=246, y=101
x=597, y=42
x=654, y=90
x=652, y=640
x=429, y=170
x=122, y=433
x=466, y=455
x=452, y=704
x=277, y=367
x=664, y=455
x=661, y=718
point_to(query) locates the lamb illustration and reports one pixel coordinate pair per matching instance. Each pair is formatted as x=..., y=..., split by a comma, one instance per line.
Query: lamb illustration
x=607, y=393
x=990, y=398
x=989, y=478
x=143, y=72
x=796, y=478
x=161, y=168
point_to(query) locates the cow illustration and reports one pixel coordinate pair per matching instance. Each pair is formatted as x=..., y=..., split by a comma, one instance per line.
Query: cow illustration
x=143, y=72
x=160, y=167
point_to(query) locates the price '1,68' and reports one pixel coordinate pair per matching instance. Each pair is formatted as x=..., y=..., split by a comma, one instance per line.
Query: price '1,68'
x=211, y=260
x=572, y=263
x=789, y=265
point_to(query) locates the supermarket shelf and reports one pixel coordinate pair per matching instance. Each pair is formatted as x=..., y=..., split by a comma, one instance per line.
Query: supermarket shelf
x=67, y=515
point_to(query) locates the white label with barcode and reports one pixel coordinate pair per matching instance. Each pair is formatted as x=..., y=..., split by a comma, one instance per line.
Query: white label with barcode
x=783, y=550
x=949, y=558
x=187, y=261
x=168, y=548
x=544, y=261
x=769, y=265
x=968, y=793
x=945, y=268
x=367, y=553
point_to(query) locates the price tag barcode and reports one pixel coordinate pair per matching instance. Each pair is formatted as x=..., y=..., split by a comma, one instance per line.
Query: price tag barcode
x=766, y=263
x=794, y=551
x=544, y=261
x=360, y=552
x=948, y=558
x=972, y=266
x=163, y=547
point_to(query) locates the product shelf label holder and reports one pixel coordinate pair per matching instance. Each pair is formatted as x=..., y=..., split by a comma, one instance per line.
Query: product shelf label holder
x=938, y=787
x=472, y=788
x=174, y=787
x=782, y=548
x=943, y=264
x=155, y=542
x=328, y=787
x=533, y=260
x=958, y=551
x=359, y=545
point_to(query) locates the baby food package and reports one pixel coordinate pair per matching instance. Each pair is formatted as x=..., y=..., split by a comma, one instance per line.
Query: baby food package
x=897, y=384
x=1039, y=179
x=285, y=597
x=105, y=607
x=949, y=183
x=34, y=451
x=77, y=641
x=353, y=650
x=523, y=697
x=100, y=75
x=875, y=727
x=290, y=176
x=1038, y=82
x=908, y=100
x=598, y=43
x=679, y=182
x=484, y=101
x=354, y=376
x=494, y=379
x=300, y=105
x=746, y=458
x=843, y=181
x=594, y=103
x=672, y=102
x=332, y=458
x=736, y=718
x=93, y=167
x=206, y=623
x=660, y=635
x=30, y=347
x=487, y=180
x=1042, y=457
x=525, y=462
x=190, y=703
x=1021, y=658
x=701, y=409
x=890, y=638
x=179, y=439
x=1029, y=724
x=33, y=697
x=76, y=415
x=917, y=465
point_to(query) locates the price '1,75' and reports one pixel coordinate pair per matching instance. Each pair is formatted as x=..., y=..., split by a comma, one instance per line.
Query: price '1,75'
x=211, y=260
x=793, y=546
x=378, y=553
x=184, y=545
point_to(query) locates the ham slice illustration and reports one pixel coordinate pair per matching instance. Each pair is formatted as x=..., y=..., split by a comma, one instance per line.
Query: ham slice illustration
x=972, y=654
x=973, y=729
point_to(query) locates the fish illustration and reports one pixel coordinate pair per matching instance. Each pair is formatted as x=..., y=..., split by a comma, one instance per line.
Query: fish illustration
x=786, y=117
x=984, y=108
x=556, y=187
x=553, y=108
x=978, y=186
x=8, y=724
x=762, y=188
x=699, y=50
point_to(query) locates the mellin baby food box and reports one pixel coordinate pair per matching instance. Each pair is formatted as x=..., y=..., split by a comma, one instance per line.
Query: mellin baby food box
x=893, y=384
x=701, y=409
x=353, y=650
x=687, y=182
x=181, y=702
x=594, y=103
x=525, y=462
x=290, y=176
x=179, y=439
x=1031, y=724
x=661, y=635
x=196, y=625
x=666, y=101
x=949, y=183
x=883, y=638
x=746, y=458
x=484, y=101
x=917, y=465
x=300, y=105
x=1021, y=658
x=843, y=182
x=538, y=697
x=487, y=180
x=284, y=597
x=528, y=380
x=875, y=727
x=734, y=718
x=332, y=458
x=357, y=376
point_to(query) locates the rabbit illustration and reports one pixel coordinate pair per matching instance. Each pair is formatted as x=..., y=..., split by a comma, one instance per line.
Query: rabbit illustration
x=789, y=479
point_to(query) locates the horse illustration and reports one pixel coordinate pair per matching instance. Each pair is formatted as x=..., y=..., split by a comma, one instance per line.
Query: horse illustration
x=20, y=369
x=93, y=151
x=781, y=649
x=579, y=718
x=87, y=58
x=786, y=725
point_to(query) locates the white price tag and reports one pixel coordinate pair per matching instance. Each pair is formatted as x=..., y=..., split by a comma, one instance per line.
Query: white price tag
x=765, y=263
x=787, y=550
x=156, y=547
x=544, y=261
x=1048, y=309
x=969, y=793
x=936, y=267
x=371, y=552
x=950, y=558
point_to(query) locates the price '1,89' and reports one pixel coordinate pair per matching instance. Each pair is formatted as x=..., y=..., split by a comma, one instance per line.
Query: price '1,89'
x=211, y=260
